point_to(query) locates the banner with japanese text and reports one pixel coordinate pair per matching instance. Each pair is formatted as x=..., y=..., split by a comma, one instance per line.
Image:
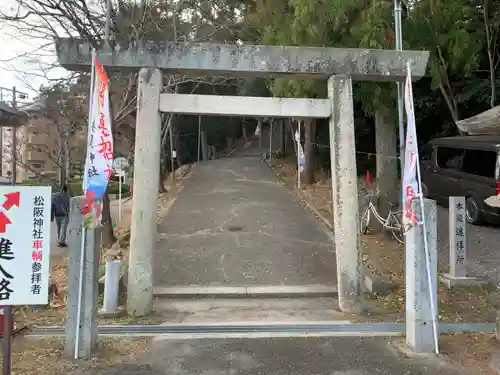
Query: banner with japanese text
x=99, y=160
x=410, y=182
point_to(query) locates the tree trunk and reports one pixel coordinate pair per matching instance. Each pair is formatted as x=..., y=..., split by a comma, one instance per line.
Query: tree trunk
x=292, y=133
x=204, y=145
x=450, y=102
x=282, y=137
x=64, y=159
x=244, y=131
x=307, y=175
x=60, y=169
x=108, y=235
x=163, y=176
x=491, y=56
x=387, y=164
x=67, y=159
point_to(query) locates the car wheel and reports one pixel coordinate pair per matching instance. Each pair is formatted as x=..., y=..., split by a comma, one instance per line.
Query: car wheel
x=473, y=211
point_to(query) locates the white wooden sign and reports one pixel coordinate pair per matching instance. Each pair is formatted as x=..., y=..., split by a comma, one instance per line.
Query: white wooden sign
x=458, y=238
x=119, y=164
x=25, y=222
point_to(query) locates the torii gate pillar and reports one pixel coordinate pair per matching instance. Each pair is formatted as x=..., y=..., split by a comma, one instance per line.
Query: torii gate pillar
x=144, y=226
x=345, y=193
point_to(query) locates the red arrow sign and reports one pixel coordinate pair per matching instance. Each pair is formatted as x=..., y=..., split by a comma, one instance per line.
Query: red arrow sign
x=12, y=199
x=4, y=220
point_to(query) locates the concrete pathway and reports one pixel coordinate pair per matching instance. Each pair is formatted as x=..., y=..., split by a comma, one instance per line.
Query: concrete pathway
x=235, y=224
x=278, y=356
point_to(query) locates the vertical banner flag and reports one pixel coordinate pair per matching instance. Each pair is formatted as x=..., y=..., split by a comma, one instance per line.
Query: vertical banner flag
x=98, y=164
x=410, y=185
x=300, y=151
x=302, y=158
x=257, y=130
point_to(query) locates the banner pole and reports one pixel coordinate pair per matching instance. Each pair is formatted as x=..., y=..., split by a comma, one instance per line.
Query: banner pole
x=119, y=198
x=82, y=244
x=80, y=292
x=7, y=340
x=298, y=154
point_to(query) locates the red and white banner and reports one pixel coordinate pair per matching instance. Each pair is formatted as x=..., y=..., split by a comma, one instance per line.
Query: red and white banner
x=99, y=161
x=410, y=185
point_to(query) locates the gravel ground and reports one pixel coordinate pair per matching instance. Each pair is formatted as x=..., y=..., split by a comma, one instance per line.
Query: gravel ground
x=483, y=247
x=483, y=244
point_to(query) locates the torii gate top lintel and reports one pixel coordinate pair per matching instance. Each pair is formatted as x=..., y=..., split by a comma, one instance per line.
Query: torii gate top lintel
x=248, y=60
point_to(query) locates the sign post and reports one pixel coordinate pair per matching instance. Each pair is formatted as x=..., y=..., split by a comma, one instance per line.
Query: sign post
x=120, y=196
x=458, y=246
x=2, y=320
x=119, y=166
x=24, y=259
x=271, y=139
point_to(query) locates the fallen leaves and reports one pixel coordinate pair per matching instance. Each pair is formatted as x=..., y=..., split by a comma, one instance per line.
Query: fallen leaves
x=474, y=351
x=45, y=356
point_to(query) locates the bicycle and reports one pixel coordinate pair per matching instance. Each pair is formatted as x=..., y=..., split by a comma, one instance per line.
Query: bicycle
x=393, y=222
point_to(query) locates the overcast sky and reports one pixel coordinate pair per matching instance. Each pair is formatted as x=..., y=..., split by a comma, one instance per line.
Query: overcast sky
x=19, y=60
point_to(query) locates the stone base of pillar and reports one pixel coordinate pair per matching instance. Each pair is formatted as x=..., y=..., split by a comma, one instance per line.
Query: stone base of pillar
x=120, y=311
x=451, y=281
x=401, y=348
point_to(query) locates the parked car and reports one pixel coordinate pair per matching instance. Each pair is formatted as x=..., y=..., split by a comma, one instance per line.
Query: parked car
x=463, y=166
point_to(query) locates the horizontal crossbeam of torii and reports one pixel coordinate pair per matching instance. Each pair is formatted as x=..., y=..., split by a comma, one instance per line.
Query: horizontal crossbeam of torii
x=247, y=60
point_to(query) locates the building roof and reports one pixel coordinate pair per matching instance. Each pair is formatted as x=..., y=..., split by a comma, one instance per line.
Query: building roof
x=10, y=116
x=5, y=108
x=487, y=122
x=37, y=105
x=488, y=141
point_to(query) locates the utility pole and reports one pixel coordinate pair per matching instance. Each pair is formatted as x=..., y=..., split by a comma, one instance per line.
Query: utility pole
x=14, y=93
x=8, y=312
x=14, y=140
x=399, y=47
x=173, y=154
x=108, y=21
x=199, y=136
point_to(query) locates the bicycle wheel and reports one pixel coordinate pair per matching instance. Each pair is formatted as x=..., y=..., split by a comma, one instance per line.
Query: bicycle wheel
x=395, y=222
x=365, y=221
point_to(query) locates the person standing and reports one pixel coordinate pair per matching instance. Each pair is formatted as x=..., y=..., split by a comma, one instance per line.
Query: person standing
x=60, y=213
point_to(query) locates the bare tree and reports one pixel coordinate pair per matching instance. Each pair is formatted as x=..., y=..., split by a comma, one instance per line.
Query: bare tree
x=491, y=21
x=43, y=20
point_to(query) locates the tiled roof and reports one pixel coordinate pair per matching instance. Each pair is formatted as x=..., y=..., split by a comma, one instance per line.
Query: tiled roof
x=4, y=107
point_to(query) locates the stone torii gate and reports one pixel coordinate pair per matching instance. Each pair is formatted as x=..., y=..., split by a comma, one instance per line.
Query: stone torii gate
x=338, y=66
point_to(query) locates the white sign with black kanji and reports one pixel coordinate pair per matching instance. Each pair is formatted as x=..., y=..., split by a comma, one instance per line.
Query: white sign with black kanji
x=25, y=222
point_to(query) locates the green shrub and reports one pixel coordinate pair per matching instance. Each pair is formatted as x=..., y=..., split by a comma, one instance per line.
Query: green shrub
x=75, y=188
x=40, y=181
x=113, y=188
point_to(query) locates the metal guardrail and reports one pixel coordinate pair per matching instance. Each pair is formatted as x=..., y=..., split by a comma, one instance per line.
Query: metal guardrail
x=362, y=329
